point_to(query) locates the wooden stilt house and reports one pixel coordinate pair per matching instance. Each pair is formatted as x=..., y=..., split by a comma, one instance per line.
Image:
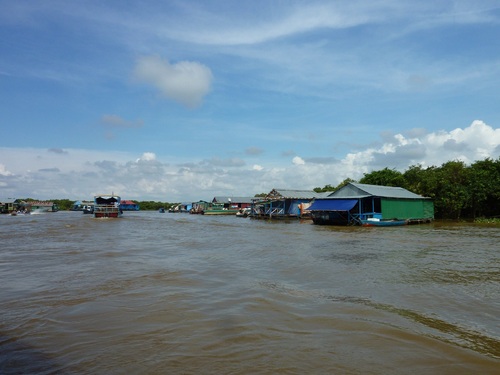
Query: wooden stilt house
x=284, y=203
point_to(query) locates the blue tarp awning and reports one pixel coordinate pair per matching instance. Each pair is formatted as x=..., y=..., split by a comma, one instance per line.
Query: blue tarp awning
x=333, y=204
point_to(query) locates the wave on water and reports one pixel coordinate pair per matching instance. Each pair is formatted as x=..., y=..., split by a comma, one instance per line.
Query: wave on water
x=440, y=329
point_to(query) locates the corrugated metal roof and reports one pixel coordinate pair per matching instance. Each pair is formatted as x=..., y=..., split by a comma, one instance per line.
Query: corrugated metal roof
x=359, y=190
x=128, y=202
x=294, y=194
x=7, y=200
x=224, y=199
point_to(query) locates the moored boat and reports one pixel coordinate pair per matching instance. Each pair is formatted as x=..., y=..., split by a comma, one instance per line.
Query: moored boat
x=88, y=209
x=220, y=209
x=107, y=206
x=243, y=212
x=374, y=222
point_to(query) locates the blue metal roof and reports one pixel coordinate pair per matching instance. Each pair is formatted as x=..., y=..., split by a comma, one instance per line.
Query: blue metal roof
x=332, y=204
x=355, y=190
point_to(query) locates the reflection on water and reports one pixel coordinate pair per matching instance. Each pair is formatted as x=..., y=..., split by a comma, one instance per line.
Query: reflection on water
x=177, y=293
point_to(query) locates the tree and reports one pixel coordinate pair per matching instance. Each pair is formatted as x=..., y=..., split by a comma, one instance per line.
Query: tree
x=384, y=177
x=261, y=195
x=344, y=183
x=484, y=188
x=324, y=189
x=63, y=204
x=452, y=194
x=415, y=179
x=331, y=188
x=153, y=205
x=422, y=181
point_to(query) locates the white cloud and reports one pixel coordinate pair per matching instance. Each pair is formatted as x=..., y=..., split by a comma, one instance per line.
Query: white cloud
x=185, y=82
x=476, y=142
x=4, y=171
x=78, y=174
x=147, y=156
x=297, y=160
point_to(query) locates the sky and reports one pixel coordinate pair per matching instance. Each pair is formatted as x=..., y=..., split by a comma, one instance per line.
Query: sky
x=180, y=101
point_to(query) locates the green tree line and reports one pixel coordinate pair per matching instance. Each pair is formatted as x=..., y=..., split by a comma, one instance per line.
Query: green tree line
x=458, y=190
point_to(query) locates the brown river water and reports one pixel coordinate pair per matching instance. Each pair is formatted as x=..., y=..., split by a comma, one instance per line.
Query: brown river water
x=155, y=293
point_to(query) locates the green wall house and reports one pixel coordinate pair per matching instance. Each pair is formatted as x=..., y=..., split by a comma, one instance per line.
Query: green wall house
x=7, y=205
x=354, y=203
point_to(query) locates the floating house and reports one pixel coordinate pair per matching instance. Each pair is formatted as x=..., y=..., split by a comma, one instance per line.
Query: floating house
x=42, y=206
x=199, y=207
x=355, y=204
x=81, y=205
x=234, y=202
x=227, y=205
x=7, y=205
x=77, y=206
x=127, y=205
x=283, y=204
x=184, y=207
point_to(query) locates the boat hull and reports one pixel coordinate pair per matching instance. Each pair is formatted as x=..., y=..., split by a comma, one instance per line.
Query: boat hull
x=220, y=212
x=383, y=223
x=329, y=218
x=107, y=214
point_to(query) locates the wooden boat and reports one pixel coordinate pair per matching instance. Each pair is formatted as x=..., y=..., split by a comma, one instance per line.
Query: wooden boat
x=20, y=213
x=107, y=206
x=243, y=212
x=88, y=209
x=372, y=222
x=220, y=209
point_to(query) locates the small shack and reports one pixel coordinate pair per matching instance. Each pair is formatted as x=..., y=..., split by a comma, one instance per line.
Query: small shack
x=199, y=207
x=233, y=202
x=356, y=202
x=283, y=204
x=128, y=205
x=7, y=205
x=184, y=207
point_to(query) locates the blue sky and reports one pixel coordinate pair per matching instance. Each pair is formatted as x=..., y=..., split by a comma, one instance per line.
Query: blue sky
x=187, y=100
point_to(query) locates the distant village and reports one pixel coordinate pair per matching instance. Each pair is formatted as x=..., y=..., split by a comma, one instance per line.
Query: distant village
x=352, y=204
x=452, y=191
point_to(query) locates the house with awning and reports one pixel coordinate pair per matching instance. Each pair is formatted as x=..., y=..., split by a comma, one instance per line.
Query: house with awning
x=80, y=205
x=355, y=202
x=284, y=203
